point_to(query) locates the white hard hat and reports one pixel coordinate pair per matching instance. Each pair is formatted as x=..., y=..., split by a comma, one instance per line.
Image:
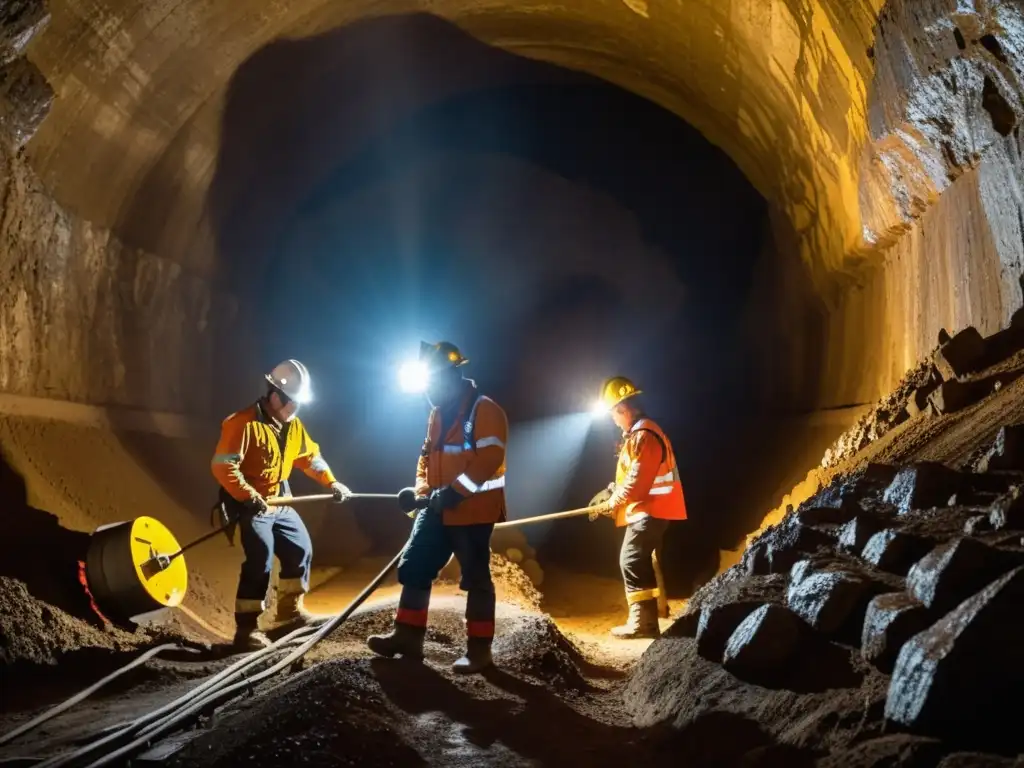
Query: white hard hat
x=292, y=378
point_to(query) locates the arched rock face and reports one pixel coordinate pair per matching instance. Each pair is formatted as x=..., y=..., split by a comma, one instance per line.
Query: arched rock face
x=184, y=139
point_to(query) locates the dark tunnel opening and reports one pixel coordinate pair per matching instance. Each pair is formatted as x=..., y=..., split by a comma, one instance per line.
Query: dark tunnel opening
x=441, y=206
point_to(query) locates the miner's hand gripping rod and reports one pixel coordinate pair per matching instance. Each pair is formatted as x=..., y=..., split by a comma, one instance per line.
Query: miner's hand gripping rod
x=160, y=562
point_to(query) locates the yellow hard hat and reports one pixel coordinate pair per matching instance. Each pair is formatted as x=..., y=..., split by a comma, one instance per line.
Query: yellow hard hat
x=615, y=390
x=444, y=354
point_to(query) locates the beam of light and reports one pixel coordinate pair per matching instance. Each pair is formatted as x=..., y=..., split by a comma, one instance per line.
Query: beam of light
x=598, y=409
x=542, y=460
x=413, y=376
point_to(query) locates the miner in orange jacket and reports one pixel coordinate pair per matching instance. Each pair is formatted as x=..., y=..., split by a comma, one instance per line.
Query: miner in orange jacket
x=461, y=471
x=645, y=497
x=257, y=449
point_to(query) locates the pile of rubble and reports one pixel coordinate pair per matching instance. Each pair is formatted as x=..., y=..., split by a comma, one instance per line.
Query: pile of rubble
x=964, y=369
x=879, y=623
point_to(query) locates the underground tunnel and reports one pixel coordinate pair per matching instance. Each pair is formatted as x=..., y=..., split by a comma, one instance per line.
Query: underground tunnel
x=797, y=226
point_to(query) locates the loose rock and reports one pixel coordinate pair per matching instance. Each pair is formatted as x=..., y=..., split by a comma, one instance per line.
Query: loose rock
x=1007, y=452
x=962, y=354
x=778, y=548
x=1008, y=512
x=922, y=485
x=764, y=642
x=966, y=668
x=716, y=625
x=890, y=621
x=854, y=536
x=954, y=571
x=895, y=551
x=829, y=600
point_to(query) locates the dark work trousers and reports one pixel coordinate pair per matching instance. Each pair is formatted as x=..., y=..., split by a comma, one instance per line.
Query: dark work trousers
x=279, y=532
x=429, y=548
x=642, y=539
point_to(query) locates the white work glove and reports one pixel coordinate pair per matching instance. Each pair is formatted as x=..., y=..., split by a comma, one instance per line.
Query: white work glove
x=602, y=496
x=340, y=491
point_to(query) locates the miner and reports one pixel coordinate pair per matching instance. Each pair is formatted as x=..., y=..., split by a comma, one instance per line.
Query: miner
x=258, y=448
x=460, y=482
x=645, y=497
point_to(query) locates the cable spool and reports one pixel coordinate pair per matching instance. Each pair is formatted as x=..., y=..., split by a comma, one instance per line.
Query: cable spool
x=130, y=568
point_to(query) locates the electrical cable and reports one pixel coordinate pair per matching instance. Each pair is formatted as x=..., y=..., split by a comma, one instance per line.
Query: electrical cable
x=82, y=695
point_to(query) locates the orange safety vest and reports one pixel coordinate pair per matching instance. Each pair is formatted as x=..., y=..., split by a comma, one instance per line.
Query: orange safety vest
x=665, y=498
x=252, y=456
x=470, y=457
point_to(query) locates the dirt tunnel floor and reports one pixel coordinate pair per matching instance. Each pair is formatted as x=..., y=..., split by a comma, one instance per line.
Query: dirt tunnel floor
x=548, y=702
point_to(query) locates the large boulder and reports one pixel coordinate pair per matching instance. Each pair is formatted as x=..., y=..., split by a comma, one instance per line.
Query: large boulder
x=891, y=619
x=764, y=642
x=716, y=625
x=956, y=570
x=957, y=678
x=894, y=551
x=830, y=601
x=923, y=485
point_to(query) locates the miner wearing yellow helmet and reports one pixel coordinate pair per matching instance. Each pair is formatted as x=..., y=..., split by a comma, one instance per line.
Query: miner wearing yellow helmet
x=647, y=494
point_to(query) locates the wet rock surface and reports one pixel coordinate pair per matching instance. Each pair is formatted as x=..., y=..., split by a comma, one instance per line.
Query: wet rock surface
x=717, y=624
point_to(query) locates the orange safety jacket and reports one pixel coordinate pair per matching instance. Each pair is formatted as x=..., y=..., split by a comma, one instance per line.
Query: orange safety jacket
x=470, y=457
x=646, y=478
x=254, y=455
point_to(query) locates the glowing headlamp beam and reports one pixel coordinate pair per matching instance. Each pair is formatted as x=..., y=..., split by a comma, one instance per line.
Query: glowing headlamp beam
x=599, y=409
x=414, y=376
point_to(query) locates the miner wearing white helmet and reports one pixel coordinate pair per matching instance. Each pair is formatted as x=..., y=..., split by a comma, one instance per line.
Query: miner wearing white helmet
x=258, y=448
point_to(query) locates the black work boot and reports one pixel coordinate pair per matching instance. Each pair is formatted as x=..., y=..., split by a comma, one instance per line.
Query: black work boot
x=247, y=636
x=404, y=640
x=477, y=658
x=642, y=622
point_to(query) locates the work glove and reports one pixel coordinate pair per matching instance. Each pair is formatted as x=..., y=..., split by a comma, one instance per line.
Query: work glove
x=602, y=496
x=340, y=491
x=256, y=505
x=445, y=498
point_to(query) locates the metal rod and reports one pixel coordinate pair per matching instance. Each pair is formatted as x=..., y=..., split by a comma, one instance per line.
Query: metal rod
x=545, y=518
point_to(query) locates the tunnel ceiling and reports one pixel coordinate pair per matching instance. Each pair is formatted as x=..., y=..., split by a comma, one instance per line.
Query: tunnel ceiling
x=134, y=138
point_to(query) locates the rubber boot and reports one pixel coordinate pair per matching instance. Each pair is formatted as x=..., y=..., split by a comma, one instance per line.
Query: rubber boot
x=477, y=658
x=247, y=636
x=292, y=613
x=642, y=622
x=404, y=640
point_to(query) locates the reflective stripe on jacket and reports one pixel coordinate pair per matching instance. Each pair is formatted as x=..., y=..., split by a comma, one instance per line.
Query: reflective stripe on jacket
x=473, y=464
x=646, y=478
x=255, y=454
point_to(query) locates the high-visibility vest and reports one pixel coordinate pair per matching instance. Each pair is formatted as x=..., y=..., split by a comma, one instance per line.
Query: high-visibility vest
x=475, y=439
x=665, y=498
